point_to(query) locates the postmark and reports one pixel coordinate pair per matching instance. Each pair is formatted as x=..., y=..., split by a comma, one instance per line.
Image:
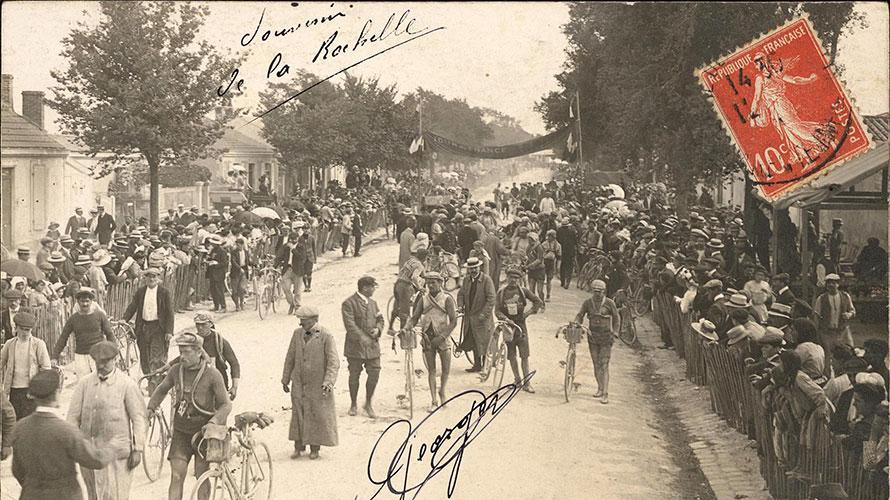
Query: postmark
x=785, y=109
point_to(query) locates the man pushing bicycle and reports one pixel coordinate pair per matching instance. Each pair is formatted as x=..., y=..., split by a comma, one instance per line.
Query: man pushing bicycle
x=511, y=303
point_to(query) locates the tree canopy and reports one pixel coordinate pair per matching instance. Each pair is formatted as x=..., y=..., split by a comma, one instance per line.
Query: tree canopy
x=634, y=64
x=140, y=85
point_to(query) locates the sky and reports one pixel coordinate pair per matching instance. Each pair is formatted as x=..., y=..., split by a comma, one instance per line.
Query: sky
x=497, y=55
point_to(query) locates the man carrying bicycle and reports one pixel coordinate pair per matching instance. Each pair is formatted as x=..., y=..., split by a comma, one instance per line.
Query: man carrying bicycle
x=435, y=312
x=511, y=306
x=602, y=313
x=201, y=398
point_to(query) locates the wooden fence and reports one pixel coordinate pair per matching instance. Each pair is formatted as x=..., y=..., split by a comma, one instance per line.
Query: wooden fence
x=825, y=458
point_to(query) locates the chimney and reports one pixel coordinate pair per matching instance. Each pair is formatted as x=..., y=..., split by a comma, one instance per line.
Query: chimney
x=6, y=91
x=32, y=107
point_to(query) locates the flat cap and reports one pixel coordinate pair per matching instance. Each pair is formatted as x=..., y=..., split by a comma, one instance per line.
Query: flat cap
x=432, y=276
x=714, y=284
x=23, y=249
x=151, y=271
x=189, y=339
x=13, y=294
x=598, y=285
x=25, y=319
x=104, y=350
x=307, y=312
x=44, y=384
x=85, y=292
x=203, y=317
x=773, y=336
x=832, y=277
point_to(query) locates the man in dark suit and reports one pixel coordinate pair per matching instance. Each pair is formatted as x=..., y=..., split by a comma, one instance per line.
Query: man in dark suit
x=46, y=447
x=476, y=299
x=364, y=324
x=104, y=225
x=217, y=268
x=75, y=222
x=784, y=295
x=152, y=305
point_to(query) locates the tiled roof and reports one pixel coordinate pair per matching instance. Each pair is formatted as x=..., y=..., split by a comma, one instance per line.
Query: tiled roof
x=18, y=133
x=879, y=126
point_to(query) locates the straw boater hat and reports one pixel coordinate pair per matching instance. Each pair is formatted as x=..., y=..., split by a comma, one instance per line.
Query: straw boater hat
x=706, y=329
x=83, y=259
x=715, y=243
x=473, y=262
x=739, y=301
x=736, y=334
x=101, y=258
x=56, y=257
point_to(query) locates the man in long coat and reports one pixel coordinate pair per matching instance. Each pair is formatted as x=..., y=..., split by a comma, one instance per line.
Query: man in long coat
x=496, y=252
x=364, y=324
x=476, y=299
x=406, y=240
x=310, y=372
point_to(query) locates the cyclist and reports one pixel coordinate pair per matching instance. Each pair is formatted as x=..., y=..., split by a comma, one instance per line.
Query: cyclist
x=604, y=321
x=220, y=353
x=511, y=304
x=435, y=312
x=409, y=281
x=201, y=399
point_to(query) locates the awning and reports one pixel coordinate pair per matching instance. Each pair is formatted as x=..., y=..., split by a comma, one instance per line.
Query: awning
x=839, y=179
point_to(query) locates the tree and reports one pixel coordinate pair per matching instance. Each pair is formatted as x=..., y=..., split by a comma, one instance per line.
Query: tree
x=634, y=68
x=140, y=86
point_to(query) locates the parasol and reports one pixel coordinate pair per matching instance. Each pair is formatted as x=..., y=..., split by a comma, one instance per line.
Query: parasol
x=616, y=205
x=247, y=218
x=617, y=190
x=16, y=267
x=266, y=213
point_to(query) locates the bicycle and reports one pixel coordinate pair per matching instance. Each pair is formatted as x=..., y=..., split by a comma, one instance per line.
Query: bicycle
x=595, y=268
x=627, y=327
x=128, y=361
x=457, y=351
x=450, y=271
x=267, y=288
x=640, y=293
x=157, y=434
x=496, y=352
x=573, y=333
x=246, y=472
x=408, y=341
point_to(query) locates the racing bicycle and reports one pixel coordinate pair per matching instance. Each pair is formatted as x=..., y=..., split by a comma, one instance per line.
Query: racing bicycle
x=128, y=361
x=267, y=287
x=595, y=268
x=496, y=352
x=573, y=333
x=246, y=472
x=157, y=434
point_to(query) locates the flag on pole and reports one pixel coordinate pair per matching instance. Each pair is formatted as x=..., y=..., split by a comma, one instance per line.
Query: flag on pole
x=418, y=107
x=571, y=109
x=571, y=144
x=416, y=145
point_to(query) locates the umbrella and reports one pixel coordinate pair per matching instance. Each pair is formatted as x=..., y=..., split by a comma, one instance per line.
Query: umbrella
x=616, y=205
x=619, y=192
x=247, y=218
x=16, y=267
x=266, y=213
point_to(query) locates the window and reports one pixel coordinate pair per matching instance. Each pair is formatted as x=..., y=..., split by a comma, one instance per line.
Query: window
x=251, y=173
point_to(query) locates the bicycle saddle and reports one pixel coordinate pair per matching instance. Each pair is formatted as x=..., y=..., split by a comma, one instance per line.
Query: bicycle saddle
x=248, y=418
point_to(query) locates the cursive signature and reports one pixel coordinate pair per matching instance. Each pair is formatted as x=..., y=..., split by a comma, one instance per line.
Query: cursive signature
x=439, y=450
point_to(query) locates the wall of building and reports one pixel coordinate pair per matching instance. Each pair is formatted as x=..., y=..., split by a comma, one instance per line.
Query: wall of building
x=44, y=190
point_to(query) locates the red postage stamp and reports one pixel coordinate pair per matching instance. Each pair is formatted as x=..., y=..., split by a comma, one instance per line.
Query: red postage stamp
x=785, y=109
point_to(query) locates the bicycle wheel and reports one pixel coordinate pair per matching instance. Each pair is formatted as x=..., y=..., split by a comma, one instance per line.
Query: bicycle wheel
x=500, y=365
x=154, y=448
x=257, y=292
x=628, y=331
x=219, y=486
x=490, y=353
x=451, y=271
x=130, y=359
x=640, y=303
x=570, y=372
x=257, y=473
x=585, y=276
x=389, y=305
x=409, y=381
x=265, y=301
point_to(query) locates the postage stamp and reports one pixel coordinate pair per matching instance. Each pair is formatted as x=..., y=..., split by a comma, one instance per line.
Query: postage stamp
x=785, y=110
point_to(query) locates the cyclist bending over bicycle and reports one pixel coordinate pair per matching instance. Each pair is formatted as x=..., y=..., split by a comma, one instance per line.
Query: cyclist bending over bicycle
x=435, y=312
x=201, y=401
x=408, y=283
x=511, y=303
x=220, y=353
